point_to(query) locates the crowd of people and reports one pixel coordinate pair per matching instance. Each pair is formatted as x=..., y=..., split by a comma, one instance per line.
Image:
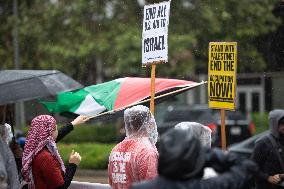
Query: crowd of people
x=182, y=159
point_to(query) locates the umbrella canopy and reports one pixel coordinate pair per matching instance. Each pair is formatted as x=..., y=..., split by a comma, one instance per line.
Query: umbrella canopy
x=20, y=85
x=113, y=95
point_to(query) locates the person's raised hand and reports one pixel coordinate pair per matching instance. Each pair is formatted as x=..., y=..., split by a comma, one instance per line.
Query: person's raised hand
x=75, y=158
x=79, y=120
x=275, y=179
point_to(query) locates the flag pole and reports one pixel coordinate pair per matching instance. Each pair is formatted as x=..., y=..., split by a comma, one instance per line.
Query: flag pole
x=152, y=101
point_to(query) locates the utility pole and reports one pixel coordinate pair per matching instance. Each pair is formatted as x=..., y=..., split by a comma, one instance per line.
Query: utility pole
x=19, y=107
x=16, y=35
x=99, y=70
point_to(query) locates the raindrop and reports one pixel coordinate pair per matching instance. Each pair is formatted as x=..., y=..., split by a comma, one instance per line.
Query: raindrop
x=141, y=2
x=53, y=1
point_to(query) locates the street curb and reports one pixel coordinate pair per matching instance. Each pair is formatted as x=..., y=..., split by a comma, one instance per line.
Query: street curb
x=91, y=172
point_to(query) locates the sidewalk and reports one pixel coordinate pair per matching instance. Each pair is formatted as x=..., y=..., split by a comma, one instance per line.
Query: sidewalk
x=95, y=176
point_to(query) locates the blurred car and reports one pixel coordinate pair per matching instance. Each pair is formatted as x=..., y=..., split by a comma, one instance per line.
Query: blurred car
x=238, y=125
x=245, y=148
x=238, y=128
x=173, y=115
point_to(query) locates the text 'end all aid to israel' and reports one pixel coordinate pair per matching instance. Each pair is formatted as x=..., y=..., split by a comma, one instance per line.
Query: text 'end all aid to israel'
x=154, y=43
x=155, y=18
x=154, y=12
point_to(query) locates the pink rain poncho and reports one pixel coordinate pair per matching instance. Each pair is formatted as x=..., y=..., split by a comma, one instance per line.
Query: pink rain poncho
x=136, y=157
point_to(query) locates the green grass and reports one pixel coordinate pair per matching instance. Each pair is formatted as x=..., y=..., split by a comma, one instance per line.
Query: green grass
x=105, y=133
x=260, y=121
x=94, y=155
x=92, y=133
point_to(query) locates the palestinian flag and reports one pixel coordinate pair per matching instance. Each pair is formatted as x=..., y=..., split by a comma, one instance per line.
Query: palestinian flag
x=113, y=95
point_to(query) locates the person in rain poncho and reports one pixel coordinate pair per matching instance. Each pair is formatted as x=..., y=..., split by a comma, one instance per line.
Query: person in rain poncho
x=6, y=133
x=135, y=158
x=203, y=133
x=43, y=167
x=265, y=153
x=200, y=131
x=9, y=178
x=182, y=159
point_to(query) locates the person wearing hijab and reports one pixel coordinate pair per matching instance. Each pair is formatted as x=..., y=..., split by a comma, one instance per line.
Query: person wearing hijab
x=182, y=159
x=135, y=158
x=42, y=166
x=268, y=153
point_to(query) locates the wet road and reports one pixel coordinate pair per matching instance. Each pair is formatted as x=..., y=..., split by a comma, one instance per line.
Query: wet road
x=94, y=176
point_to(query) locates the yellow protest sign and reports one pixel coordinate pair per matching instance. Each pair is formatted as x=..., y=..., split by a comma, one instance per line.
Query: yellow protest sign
x=222, y=67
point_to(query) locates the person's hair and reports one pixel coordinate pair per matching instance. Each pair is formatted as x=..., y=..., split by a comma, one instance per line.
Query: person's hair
x=136, y=119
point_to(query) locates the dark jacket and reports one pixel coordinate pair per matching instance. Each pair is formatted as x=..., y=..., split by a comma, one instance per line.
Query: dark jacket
x=235, y=174
x=264, y=154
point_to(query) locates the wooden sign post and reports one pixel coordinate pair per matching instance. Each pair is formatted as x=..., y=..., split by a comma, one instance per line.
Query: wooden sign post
x=155, y=40
x=153, y=75
x=223, y=130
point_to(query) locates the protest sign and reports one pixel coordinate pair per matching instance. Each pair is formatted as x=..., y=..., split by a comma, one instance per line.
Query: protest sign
x=222, y=68
x=155, y=33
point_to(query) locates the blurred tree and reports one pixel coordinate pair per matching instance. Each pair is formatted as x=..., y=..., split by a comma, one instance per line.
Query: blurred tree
x=272, y=44
x=234, y=20
x=6, y=35
x=81, y=37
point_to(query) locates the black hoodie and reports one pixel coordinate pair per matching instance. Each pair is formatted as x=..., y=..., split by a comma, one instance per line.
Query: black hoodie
x=265, y=155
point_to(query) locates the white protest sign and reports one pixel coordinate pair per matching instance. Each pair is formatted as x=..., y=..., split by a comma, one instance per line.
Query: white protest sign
x=155, y=33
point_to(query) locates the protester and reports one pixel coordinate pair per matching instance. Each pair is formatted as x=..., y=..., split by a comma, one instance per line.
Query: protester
x=9, y=138
x=268, y=153
x=21, y=141
x=6, y=133
x=121, y=134
x=9, y=178
x=182, y=160
x=203, y=134
x=43, y=167
x=135, y=158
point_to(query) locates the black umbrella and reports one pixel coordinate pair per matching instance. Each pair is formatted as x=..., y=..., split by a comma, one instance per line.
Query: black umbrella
x=21, y=85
